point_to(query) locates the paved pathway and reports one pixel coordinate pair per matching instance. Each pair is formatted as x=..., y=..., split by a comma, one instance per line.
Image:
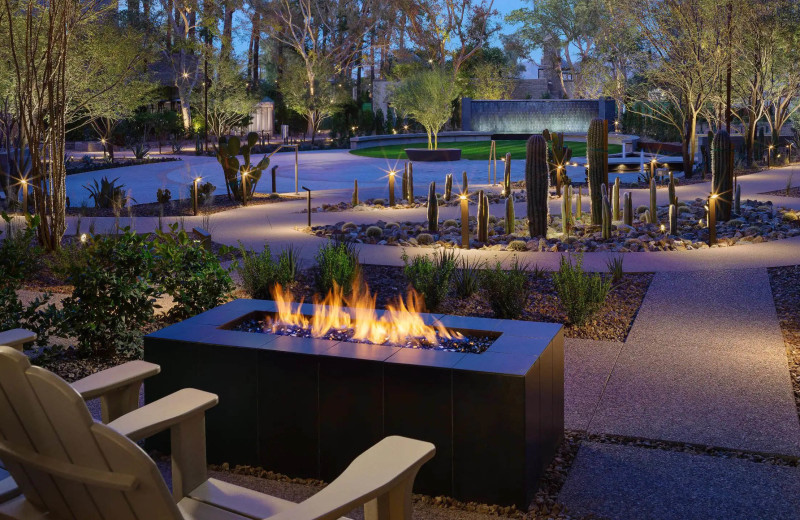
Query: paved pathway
x=704, y=364
x=279, y=223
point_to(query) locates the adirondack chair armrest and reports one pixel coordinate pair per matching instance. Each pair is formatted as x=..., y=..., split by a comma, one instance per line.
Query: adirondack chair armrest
x=17, y=338
x=163, y=414
x=183, y=413
x=117, y=387
x=381, y=478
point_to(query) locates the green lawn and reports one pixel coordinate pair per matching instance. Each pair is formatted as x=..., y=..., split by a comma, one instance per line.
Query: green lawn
x=477, y=151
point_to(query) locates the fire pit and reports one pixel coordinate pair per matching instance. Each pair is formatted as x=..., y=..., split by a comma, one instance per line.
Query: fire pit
x=304, y=395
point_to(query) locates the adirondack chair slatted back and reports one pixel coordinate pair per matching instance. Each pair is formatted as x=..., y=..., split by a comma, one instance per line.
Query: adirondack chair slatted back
x=42, y=416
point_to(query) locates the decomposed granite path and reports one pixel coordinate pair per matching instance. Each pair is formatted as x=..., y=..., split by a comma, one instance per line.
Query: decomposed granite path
x=704, y=365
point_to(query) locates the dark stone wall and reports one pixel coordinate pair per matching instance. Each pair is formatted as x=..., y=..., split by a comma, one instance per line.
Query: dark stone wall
x=531, y=116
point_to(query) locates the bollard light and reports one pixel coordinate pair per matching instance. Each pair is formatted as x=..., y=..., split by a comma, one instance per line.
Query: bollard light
x=464, y=221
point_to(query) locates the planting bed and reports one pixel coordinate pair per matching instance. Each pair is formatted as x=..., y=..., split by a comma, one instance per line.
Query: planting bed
x=179, y=207
x=306, y=407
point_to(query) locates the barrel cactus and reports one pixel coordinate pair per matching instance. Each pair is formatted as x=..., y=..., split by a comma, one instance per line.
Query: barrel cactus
x=510, y=217
x=722, y=175
x=536, y=185
x=227, y=151
x=433, y=209
x=597, y=155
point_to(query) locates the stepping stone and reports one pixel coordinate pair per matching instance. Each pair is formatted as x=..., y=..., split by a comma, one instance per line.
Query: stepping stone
x=623, y=482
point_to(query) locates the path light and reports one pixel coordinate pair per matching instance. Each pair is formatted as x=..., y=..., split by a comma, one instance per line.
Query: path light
x=663, y=228
x=712, y=219
x=24, y=183
x=244, y=188
x=309, y=205
x=391, y=187
x=464, y=221
x=194, y=198
x=84, y=238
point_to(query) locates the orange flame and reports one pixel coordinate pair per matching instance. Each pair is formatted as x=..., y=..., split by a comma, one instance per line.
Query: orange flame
x=399, y=324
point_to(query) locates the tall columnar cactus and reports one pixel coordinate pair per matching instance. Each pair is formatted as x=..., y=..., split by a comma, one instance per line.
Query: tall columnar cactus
x=597, y=155
x=227, y=151
x=507, y=176
x=559, y=157
x=737, y=201
x=566, y=211
x=653, y=206
x=433, y=209
x=627, y=212
x=722, y=175
x=464, y=182
x=355, y=193
x=448, y=187
x=673, y=219
x=606, y=225
x=483, y=217
x=536, y=185
x=404, y=185
x=410, y=195
x=510, y=223
x=579, y=204
x=615, y=199
x=673, y=199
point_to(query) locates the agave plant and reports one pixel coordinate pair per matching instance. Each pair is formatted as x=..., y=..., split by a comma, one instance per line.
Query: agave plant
x=107, y=194
x=140, y=150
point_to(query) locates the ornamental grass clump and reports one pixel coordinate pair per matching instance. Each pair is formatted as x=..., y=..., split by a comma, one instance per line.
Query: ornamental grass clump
x=466, y=279
x=506, y=290
x=430, y=276
x=581, y=294
x=337, y=264
x=260, y=272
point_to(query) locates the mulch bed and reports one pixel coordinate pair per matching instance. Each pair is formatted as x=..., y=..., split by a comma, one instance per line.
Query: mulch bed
x=76, y=166
x=611, y=323
x=785, y=283
x=179, y=208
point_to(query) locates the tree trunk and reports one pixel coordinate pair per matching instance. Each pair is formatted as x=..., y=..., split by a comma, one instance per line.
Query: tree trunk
x=186, y=113
x=256, y=47
x=227, y=31
x=686, y=151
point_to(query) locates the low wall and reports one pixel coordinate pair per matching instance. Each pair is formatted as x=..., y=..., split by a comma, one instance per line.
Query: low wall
x=530, y=116
x=371, y=141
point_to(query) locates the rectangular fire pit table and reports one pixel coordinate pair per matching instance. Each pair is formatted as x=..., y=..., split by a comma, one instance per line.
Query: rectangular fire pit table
x=306, y=407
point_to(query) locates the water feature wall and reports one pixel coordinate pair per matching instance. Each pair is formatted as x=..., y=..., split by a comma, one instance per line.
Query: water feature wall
x=528, y=116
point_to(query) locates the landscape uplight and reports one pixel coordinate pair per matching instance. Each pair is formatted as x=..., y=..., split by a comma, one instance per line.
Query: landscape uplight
x=464, y=221
x=391, y=187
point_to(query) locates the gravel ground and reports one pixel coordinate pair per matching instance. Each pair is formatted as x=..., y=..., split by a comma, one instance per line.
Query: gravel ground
x=785, y=283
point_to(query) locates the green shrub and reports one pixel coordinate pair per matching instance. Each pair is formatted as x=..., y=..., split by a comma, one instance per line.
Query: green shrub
x=506, y=291
x=430, y=276
x=466, y=279
x=337, y=263
x=191, y=274
x=114, y=298
x=19, y=253
x=581, y=294
x=260, y=272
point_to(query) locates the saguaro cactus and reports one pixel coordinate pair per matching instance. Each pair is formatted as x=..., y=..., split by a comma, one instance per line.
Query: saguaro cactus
x=510, y=217
x=606, y=226
x=627, y=212
x=507, y=176
x=653, y=206
x=566, y=210
x=448, y=187
x=404, y=185
x=722, y=175
x=615, y=199
x=410, y=182
x=536, y=185
x=355, y=193
x=597, y=155
x=673, y=219
x=433, y=209
x=483, y=217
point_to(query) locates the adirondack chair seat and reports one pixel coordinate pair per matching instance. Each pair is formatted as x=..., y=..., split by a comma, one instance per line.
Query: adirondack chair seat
x=71, y=467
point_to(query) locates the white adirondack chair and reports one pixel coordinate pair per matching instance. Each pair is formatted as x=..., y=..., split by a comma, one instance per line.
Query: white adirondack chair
x=71, y=467
x=117, y=388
